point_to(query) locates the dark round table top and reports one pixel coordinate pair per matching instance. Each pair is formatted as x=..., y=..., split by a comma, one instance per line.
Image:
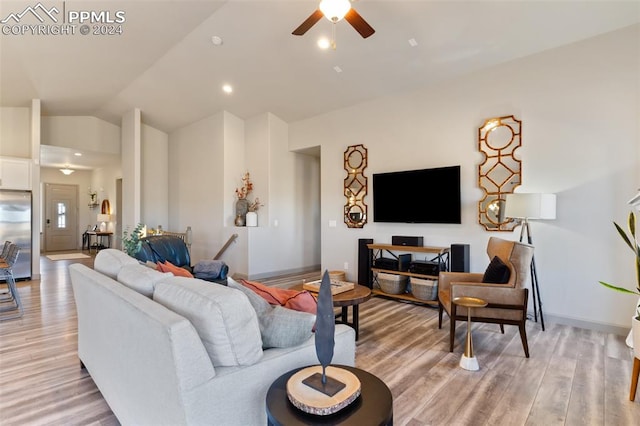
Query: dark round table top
x=373, y=407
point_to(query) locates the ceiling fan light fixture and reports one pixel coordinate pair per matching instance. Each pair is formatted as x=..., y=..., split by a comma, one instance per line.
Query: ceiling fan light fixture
x=335, y=10
x=67, y=171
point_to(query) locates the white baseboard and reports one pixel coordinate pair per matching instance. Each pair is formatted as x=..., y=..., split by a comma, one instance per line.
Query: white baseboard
x=596, y=326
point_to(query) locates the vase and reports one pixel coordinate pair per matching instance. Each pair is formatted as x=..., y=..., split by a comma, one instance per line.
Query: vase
x=239, y=221
x=242, y=207
x=630, y=338
x=252, y=219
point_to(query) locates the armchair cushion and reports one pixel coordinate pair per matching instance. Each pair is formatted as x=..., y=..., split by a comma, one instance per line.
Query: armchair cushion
x=497, y=272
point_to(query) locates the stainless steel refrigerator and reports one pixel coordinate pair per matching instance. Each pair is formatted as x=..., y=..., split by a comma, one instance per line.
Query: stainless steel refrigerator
x=15, y=226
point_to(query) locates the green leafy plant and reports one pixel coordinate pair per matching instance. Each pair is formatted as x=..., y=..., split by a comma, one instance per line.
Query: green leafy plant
x=632, y=242
x=131, y=241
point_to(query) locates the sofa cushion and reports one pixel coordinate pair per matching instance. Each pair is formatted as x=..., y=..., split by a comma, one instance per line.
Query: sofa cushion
x=141, y=278
x=109, y=262
x=223, y=318
x=280, y=327
x=175, y=270
x=297, y=300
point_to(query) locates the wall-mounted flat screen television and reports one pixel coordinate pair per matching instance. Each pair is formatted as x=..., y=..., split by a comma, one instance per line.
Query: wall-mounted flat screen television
x=417, y=196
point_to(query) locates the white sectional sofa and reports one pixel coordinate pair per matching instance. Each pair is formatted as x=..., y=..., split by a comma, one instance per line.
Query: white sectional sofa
x=154, y=366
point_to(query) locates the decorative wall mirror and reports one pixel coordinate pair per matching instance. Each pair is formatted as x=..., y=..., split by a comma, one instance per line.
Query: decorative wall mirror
x=500, y=173
x=355, y=186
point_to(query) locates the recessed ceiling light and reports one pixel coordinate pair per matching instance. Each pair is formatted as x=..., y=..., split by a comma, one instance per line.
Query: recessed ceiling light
x=413, y=42
x=77, y=154
x=337, y=69
x=217, y=41
x=324, y=43
x=227, y=88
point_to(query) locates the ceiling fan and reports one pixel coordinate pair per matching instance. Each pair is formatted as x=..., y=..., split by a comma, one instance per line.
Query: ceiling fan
x=334, y=11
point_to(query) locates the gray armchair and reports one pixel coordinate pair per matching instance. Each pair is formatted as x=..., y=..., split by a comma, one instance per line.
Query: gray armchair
x=507, y=302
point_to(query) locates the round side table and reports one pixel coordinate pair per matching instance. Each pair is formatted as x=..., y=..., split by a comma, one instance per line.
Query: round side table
x=373, y=407
x=468, y=360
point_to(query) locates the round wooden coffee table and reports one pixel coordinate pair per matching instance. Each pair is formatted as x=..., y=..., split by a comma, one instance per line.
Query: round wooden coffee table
x=374, y=406
x=345, y=299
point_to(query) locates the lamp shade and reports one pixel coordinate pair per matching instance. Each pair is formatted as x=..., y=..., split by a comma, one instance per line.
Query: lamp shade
x=531, y=206
x=104, y=218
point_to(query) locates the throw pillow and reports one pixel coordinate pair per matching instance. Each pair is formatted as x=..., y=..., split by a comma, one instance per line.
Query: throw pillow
x=297, y=300
x=280, y=327
x=497, y=272
x=283, y=328
x=175, y=270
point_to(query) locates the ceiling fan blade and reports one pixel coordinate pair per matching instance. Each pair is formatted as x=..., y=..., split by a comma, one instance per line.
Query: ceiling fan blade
x=359, y=23
x=308, y=23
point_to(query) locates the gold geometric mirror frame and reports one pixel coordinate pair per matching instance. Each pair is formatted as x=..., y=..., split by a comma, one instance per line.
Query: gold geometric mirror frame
x=501, y=171
x=355, y=186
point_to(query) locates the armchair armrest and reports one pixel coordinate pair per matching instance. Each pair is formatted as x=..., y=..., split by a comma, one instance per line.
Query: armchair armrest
x=446, y=278
x=494, y=294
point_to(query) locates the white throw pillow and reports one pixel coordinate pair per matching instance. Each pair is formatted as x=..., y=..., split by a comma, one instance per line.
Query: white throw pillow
x=223, y=318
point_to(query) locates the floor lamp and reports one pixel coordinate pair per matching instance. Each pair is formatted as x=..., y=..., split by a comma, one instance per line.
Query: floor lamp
x=524, y=207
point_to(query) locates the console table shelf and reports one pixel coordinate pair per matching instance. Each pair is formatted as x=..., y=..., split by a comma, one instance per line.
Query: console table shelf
x=441, y=255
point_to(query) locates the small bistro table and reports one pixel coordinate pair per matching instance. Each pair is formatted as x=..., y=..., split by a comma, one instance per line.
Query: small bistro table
x=468, y=360
x=343, y=300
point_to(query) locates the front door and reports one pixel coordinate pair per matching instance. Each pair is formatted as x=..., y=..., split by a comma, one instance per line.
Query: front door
x=61, y=217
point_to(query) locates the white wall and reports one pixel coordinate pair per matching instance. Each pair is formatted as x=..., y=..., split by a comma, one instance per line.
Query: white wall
x=208, y=160
x=579, y=107
x=81, y=132
x=155, y=178
x=288, y=233
x=15, y=132
x=196, y=183
x=130, y=161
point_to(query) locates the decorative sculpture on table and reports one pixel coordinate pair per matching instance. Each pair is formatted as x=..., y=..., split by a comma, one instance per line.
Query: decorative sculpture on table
x=323, y=389
x=325, y=329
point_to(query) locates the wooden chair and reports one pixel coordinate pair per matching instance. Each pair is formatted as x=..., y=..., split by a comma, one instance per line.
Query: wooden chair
x=507, y=303
x=11, y=304
x=635, y=373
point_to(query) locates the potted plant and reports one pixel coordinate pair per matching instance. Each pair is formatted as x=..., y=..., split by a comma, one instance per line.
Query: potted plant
x=131, y=241
x=632, y=242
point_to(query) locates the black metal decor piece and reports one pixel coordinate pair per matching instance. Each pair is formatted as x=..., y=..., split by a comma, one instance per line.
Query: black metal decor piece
x=324, y=339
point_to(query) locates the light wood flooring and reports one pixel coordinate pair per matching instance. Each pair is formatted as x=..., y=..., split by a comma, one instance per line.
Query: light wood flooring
x=574, y=376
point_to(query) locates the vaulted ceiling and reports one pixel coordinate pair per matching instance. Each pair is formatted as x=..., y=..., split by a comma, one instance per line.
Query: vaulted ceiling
x=166, y=64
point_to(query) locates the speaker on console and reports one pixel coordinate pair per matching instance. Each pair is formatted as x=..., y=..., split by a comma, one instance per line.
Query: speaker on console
x=459, y=260
x=400, y=240
x=365, y=276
